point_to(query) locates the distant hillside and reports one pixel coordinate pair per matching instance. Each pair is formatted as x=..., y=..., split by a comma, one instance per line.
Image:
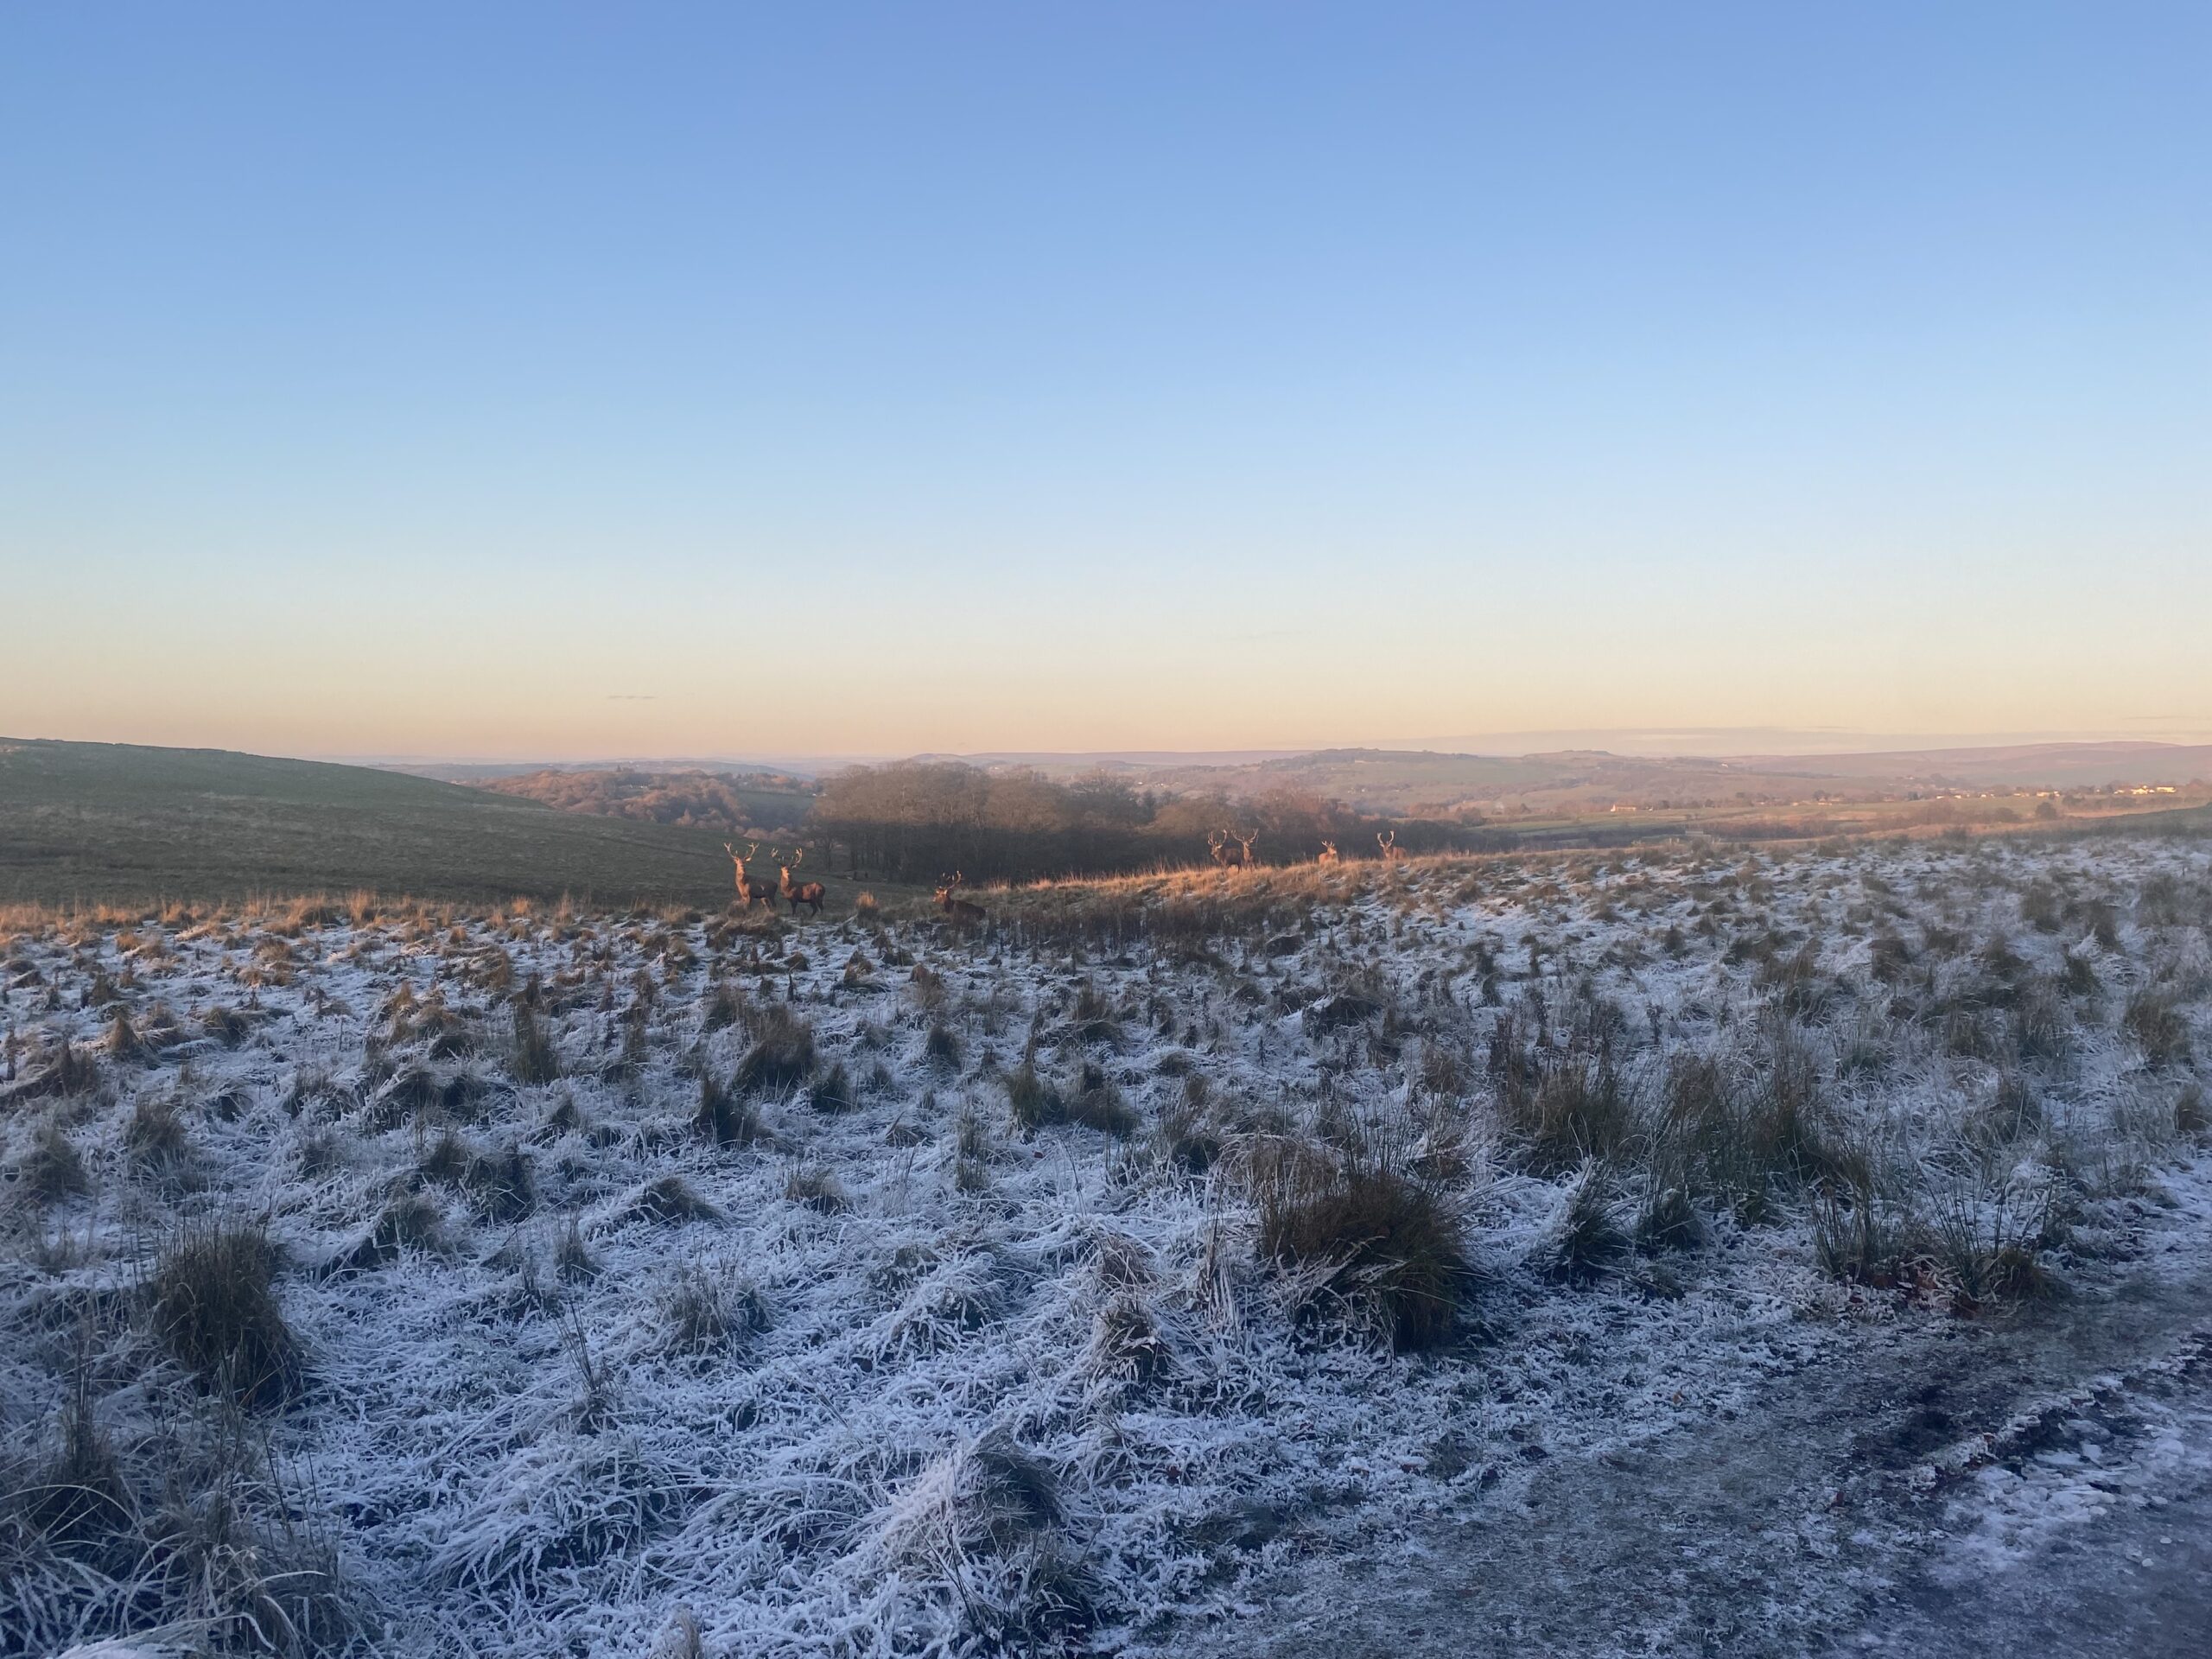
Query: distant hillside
x=2023, y=765
x=1578, y=781
x=725, y=801
x=114, y=822
x=1422, y=783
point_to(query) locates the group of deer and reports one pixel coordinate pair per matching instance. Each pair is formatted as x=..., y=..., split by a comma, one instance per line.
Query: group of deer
x=752, y=891
x=1234, y=852
x=1230, y=850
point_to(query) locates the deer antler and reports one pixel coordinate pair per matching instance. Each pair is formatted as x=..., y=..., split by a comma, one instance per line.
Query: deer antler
x=1216, y=837
x=799, y=858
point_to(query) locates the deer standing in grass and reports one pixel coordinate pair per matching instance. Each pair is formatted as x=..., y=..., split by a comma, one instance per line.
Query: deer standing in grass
x=750, y=890
x=1328, y=854
x=810, y=893
x=1235, y=857
x=958, y=911
x=1389, y=843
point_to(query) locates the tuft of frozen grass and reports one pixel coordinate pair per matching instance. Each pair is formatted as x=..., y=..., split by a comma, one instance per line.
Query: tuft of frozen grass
x=818, y=1189
x=213, y=1301
x=1370, y=1236
x=2159, y=1027
x=1587, y=1236
x=670, y=1199
x=1857, y=1240
x=532, y=1056
x=782, y=1053
x=832, y=1090
x=986, y=1521
x=705, y=1310
x=53, y=1168
x=725, y=1116
x=1032, y=1101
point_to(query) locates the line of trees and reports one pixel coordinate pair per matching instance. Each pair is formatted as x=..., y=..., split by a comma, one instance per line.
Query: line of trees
x=913, y=820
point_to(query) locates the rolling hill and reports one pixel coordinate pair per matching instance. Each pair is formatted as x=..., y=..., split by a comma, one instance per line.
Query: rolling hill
x=106, y=823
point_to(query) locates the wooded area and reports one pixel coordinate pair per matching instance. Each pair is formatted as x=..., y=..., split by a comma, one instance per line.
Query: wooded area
x=915, y=820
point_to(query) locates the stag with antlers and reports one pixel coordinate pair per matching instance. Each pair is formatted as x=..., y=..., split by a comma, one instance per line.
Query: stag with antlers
x=1328, y=854
x=1230, y=850
x=810, y=893
x=958, y=911
x=751, y=891
x=1391, y=852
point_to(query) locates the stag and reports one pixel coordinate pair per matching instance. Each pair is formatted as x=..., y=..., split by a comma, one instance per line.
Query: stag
x=1235, y=857
x=1391, y=852
x=810, y=893
x=958, y=911
x=751, y=891
x=1328, y=854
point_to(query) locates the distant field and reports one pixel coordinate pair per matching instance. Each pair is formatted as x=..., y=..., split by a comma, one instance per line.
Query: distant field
x=101, y=822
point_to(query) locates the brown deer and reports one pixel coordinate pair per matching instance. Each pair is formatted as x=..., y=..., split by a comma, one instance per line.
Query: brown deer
x=751, y=890
x=958, y=911
x=810, y=893
x=1391, y=851
x=1328, y=854
x=1237, y=857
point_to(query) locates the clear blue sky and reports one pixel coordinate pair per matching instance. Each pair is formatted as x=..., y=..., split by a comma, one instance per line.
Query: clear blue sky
x=542, y=380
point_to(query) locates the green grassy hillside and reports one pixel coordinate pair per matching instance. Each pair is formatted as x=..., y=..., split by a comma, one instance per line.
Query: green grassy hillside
x=104, y=822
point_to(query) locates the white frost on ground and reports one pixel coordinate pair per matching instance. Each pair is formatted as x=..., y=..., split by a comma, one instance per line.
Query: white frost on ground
x=915, y=1415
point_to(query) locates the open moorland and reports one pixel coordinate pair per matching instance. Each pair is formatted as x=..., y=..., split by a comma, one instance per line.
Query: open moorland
x=1678, y=1250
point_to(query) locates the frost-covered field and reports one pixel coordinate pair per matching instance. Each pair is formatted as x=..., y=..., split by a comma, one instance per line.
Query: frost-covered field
x=550, y=1283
